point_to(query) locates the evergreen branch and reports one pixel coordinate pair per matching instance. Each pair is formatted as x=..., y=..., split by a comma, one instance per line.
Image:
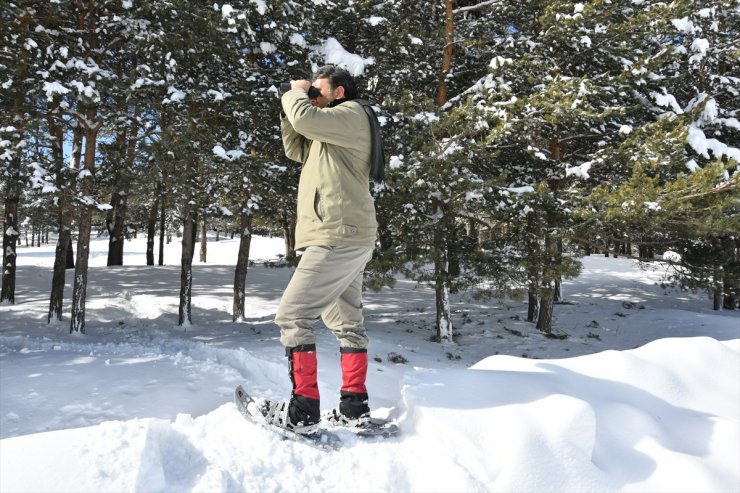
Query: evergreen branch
x=476, y=8
x=726, y=186
x=482, y=222
x=614, y=239
x=57, y=115
x=450, y=141
x=583, y=136
x=146, y=135
x=502, y=146
x=75, y=116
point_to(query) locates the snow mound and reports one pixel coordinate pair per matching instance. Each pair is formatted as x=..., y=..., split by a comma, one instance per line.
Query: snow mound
x=663, y=417
x=660, y=418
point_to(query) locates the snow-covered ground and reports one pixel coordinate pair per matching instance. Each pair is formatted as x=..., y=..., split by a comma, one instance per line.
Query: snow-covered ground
x=643, y=394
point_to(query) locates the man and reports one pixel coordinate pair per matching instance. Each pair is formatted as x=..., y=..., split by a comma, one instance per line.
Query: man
x=332, y=136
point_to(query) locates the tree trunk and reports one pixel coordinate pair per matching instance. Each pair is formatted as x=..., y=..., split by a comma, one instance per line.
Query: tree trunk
x=729, y=302
x=455, y=245
x=203, y=240
x=718, y=289
x=151, y=230
x=162, y=226
x=731, y=276
x=126, y=146
x=88, y=23
x=444, y=311
x=289, y=236
x=78, y=134
x=70, y=252
x=533, y=292
x=447, y=55
x=242, y=265
x=13, y=190
x=186, y=268
x=717, y=298
x=544, y=318
x=189, y=232
x=63, y=253
x=79, y=292
x=547, y=287
x=115, y=224
x=533, y=271
x=558, y=293
x=443, y=319
x=10, y=241
x=65, y=213
x=533, y=305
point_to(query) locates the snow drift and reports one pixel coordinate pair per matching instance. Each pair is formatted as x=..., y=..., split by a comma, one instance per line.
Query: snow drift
x=663, y=417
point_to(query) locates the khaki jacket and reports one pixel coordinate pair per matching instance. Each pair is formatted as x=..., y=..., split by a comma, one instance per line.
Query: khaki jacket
x=335, y=207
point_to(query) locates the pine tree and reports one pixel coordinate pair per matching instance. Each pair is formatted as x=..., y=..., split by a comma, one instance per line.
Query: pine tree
x=16, y=61
x=677, y=184
x=568, y=83
x=434, y=179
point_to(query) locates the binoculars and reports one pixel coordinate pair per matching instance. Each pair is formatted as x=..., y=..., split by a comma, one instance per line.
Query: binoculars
x=312, y=91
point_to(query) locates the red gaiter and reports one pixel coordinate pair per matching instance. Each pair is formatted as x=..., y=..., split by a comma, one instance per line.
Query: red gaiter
x=354, y=372
x=305, y=374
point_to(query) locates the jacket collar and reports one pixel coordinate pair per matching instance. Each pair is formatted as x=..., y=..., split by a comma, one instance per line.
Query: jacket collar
x=337, y=102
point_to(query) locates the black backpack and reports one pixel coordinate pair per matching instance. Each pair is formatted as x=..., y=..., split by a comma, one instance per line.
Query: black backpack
x=377, y=156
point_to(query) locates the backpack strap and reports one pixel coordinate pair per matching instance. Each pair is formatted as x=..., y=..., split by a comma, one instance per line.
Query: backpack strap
x=377, y=156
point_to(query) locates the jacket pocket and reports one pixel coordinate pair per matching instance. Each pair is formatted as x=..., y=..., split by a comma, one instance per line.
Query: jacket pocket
x=317, y=209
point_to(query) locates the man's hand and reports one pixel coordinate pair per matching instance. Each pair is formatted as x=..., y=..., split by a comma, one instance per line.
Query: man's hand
x=300, y=84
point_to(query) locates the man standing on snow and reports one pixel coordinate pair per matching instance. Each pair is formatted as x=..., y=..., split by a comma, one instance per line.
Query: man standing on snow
x=335, y=136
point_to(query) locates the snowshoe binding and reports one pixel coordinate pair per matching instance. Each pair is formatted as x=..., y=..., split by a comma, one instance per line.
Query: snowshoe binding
x=275, y=416
x=284, y=415
x=364, y=425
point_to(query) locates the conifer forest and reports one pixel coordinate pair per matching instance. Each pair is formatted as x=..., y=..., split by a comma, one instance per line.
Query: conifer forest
x=519, y=137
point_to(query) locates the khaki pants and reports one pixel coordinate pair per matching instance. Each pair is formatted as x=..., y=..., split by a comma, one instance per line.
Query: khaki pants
x=326, y=284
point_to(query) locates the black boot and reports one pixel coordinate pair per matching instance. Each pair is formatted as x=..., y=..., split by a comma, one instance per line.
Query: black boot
x=353, y=396
x=304, y=400
x=353, y=405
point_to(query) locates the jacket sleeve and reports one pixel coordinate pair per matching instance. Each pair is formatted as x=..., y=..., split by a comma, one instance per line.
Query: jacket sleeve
x=342, y=125
x=296, y=145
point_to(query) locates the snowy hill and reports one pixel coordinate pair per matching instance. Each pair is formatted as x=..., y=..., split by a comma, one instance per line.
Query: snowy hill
x=644, y=394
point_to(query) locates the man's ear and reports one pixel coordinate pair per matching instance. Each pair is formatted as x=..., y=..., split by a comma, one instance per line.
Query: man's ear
x=339, y=92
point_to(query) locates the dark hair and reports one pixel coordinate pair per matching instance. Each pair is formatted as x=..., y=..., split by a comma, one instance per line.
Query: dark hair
x=338, y=77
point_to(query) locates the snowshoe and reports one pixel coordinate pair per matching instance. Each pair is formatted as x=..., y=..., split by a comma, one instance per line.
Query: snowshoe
x=280, y=414
x=258, y=412
x=364, y=425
